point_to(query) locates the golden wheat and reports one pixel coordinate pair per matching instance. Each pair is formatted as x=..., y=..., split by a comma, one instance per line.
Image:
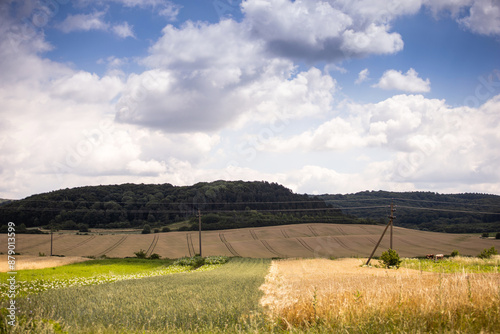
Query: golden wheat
x=39, y=262
x=343, y=295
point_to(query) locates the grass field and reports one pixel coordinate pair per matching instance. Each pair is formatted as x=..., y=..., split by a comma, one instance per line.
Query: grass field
x=222, y=300
x=286, y=241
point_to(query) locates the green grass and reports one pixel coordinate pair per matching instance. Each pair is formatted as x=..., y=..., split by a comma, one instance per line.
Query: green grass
x=222, y=300
x=456, y=264
x=91, y=268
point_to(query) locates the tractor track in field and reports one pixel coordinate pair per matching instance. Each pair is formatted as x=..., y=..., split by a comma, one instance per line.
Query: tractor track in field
x=43, y=242
x=189, y=239
x=371, y=240
x=228, y=245
x=285, y=233
x=254, y=235
x=81, y=243
x=109, y=249
x=341, y=231
x=153, y=245
x=305, y=245
x=269, y=248
x=312, y=231
x=341, y=243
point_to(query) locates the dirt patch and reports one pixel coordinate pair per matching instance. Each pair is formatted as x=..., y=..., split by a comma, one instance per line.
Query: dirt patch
x=39, y=262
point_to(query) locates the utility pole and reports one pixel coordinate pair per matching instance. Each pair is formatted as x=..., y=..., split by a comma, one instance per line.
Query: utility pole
x=199, y=225
x=51, y=238
x=391, y=218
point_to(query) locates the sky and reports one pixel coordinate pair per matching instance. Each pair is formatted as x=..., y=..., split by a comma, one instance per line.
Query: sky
x=333, y=96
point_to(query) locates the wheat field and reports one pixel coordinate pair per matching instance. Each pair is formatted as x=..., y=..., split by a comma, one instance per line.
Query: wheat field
x=344, y=296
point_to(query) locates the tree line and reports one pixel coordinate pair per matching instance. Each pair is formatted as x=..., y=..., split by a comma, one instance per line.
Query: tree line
x=224, y=204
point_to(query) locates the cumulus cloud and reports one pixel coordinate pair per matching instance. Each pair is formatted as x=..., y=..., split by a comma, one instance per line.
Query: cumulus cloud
x=408, y=82
x=209, y=76
x=362, y=76
x=427, y=142
x=480, y=16
x=313, y=31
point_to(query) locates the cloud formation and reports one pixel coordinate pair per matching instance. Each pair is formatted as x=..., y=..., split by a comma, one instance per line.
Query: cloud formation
x=408, y=82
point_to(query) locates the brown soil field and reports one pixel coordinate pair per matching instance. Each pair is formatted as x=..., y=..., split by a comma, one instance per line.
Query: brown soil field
x=286, y=241
x=39, y=262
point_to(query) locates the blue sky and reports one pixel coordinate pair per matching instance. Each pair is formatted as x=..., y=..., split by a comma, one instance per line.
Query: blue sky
x=330, y=96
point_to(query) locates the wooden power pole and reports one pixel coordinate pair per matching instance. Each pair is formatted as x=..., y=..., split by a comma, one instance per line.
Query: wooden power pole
x=391, y=218
x=199, y=226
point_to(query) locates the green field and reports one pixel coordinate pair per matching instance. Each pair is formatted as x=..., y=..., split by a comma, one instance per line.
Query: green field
x=220, y=300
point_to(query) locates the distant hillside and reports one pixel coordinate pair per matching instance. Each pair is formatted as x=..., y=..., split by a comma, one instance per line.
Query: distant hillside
x=223, y=204
x=457, y=213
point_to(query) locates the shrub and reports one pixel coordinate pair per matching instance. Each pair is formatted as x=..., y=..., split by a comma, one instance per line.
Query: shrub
x=497, y=236
x=487, y=253
x=195, y=261
x=390, y=258
x=140, y=254
x=216, y=259
x=83, y=228
x=165, y=229
x=485, y=235
x=154, y=256
x=455, y=253
x=156, y=230
x=146, y=229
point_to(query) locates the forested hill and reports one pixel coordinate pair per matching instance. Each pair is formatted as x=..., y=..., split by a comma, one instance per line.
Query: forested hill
x=223, y=204
x=456, y=213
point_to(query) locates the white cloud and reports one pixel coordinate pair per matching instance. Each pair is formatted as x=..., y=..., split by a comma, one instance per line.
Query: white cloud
x=123, y=30
x=83, y=22
x=362, y=76
x=484, y=17
x=480, y=16
x=329, y=31
x=408, y=82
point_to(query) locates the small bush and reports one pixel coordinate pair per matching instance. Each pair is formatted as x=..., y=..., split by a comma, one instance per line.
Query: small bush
x=485, y=235
x=140, y=254
x=487, y=253
x=154, y=256
x=156, y=230
x=455, y=253
x=146, y=229
x=216, y=259
x=195, y=261
x=41, y=254
x=165, y=229
x=390, y=258
x=497, y=236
